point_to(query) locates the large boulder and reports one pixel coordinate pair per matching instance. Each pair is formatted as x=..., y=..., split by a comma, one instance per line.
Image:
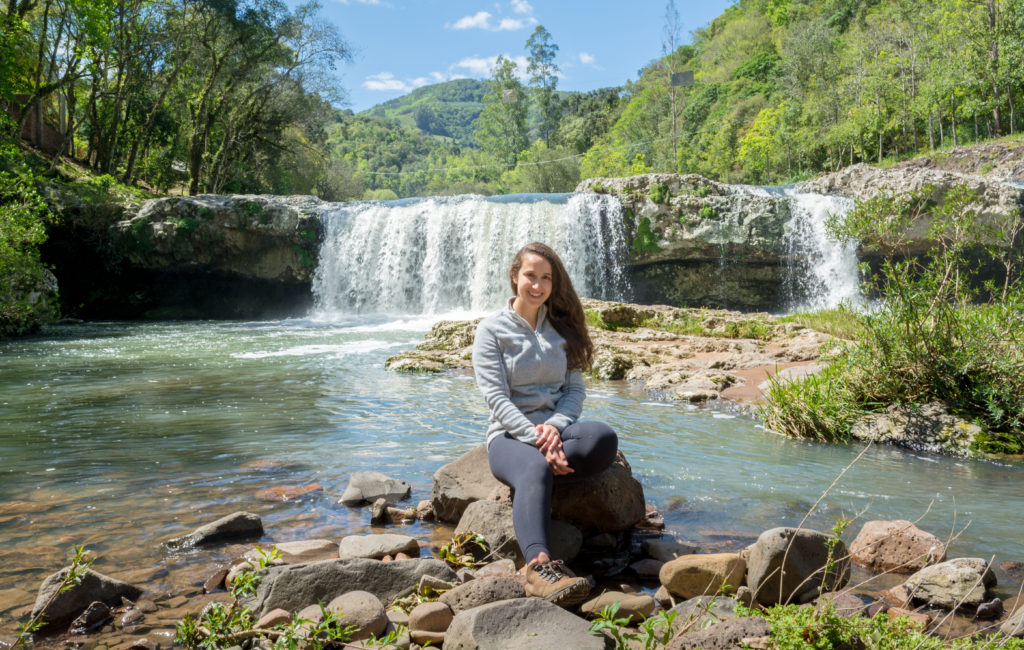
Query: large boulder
x=59, y=607
x=896, y=546
x=295, y=586
x=695, y=575
x=521, y=623
x=367, y=487
x=238, y=526
x=791, y=565
x=927, y=427
x=493, y=520
x=611, y=501
x=723, y=636
x=1014, y=623
x=963, y=582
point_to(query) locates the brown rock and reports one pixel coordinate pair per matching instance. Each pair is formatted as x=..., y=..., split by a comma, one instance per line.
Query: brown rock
x=896, y=546
x=289, y=492
x=425, y=510
x=430, y=617
x=647, y=568
x=274, y=617
x=897, y=596
x=636, y=607
x=215, y=581
x=666, y=550
x=362, y=609
x=696, y=575
x=920, y=619
x=482, y=591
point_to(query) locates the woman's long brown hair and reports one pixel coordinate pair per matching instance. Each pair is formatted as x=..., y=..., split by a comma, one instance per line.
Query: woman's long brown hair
x=565, y=311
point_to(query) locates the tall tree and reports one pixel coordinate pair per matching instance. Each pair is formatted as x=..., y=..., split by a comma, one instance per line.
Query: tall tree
x=501, y=127
x=669, y=44
x=544, y=79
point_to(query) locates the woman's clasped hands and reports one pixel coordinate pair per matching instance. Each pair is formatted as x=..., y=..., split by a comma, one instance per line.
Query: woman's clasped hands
x=549, y=441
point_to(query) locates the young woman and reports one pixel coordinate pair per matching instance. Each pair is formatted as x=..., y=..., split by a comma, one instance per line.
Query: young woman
x=529, y=359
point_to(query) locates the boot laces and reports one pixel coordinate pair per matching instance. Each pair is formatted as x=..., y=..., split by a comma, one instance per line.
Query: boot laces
x=550, y=571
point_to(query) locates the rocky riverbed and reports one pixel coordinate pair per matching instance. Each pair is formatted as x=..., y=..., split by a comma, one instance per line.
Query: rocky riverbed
x=389, y=584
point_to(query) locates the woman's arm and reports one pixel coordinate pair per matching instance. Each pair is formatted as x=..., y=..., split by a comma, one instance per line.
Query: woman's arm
x=570, y=406
x=493, y=383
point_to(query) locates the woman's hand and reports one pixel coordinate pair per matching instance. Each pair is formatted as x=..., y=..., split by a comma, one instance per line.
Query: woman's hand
x=549, y=441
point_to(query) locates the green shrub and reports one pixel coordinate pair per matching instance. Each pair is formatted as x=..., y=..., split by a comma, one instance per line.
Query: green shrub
x=707, y=212
x=646, y=241
x=659, y=192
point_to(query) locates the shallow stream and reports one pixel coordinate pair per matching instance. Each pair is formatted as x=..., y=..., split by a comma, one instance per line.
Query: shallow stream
x=121, y=435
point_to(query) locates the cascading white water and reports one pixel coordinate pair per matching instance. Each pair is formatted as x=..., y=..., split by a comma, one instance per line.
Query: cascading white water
x=822, y=272
x=441, y=254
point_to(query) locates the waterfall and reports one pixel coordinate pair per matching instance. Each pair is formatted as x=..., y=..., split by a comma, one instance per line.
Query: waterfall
x=441, y=254
x=821, y=272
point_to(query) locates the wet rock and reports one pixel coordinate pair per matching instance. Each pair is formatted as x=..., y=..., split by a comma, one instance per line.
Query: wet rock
x=482, y=591
x=695, y=575
x=724, y=635
x=94, y=616
x=362, y=609
x=636, y=607
x=929, y=427
x=379, y=512
x=270, y=466
x=367, y=487
x=143, y=643
x=425, y=510
x=215, y=581
x=289, y=492
x=377, y=546
x=786, y=564
x=131, y=617
x=493, y=521
x=963, y=582
x=896, y=546
x=521, y=623
x=989, y=611
x=611, y=501
x=40, y=558
x=697, y=613
x=666, y=550
x=236, y=526
x=294, y=586
x=59, y=608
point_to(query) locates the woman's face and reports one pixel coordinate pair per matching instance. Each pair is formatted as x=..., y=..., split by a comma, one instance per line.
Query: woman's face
x=533, y=282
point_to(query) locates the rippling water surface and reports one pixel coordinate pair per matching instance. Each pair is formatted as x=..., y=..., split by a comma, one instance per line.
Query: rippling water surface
x=121, y=435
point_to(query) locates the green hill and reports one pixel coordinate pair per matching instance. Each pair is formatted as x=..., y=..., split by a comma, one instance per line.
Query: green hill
x=446, y=109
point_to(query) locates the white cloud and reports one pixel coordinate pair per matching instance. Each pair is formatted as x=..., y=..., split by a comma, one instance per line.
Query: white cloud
x=521, y=7
x=482, y=20
x=480, y=66
x=386, y=81
x=587, y=59
x=512, y=24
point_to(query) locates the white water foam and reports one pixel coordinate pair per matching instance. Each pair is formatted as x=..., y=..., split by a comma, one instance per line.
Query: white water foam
x=822, y=272
x=436, y=255
x=342, y=349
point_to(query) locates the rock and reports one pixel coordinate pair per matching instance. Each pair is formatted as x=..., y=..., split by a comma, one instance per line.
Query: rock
x=377, y=546
x=143, y=644
x=1014, y=624
x=608, y=502
x=697, y=613
x=131, y=617
x=270, y=466
x=294, y=586
x=482, y=591
x=379, y=512
x=895, y=546
x=276, y=617
x=636, y=607
x=239, y=526
x=95, y=615
x=503, y=567
x=425, y=510
x=843, y=603
x=666, y=550
x=897, y=596
x=920, y=619
x=664, y=597
x=647, y=568
x=928, y=427
x=307, y=550
x=695, y=575
x=962, y=582
x=493, y=520
x=60, y=608
x=460, y=483
x=289, y=492
x=724, y=635
x=362, y=609
x=802, y=558
x=367, y=487
x=989, y=611
x=523, y=623
x=215, y=581
x=430, y=617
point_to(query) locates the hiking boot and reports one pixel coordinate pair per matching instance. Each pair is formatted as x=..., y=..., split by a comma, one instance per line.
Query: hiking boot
x=555, y=584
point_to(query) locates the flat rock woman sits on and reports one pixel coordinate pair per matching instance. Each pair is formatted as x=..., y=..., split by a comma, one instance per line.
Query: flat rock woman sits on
x=529, y=359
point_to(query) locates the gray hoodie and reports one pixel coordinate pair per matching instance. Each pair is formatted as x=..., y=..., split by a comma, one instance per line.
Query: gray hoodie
x=523, y=376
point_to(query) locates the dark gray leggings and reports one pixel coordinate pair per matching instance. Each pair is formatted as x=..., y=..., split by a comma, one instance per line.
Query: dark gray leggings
x=589, y=447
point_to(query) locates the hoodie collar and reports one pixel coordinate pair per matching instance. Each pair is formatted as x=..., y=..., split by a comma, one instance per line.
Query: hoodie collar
x=541, y=315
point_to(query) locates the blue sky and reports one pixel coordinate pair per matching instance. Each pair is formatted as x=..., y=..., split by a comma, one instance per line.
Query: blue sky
x=399, y=45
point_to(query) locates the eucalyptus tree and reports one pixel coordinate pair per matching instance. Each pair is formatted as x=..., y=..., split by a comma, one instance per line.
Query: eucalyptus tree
x=501, y=128
x=544, y=78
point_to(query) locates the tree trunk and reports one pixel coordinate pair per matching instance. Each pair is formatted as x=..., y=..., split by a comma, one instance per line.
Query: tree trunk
x=993, y=55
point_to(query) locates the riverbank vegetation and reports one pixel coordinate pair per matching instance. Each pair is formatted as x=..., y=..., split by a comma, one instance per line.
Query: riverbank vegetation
x=935, y=333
